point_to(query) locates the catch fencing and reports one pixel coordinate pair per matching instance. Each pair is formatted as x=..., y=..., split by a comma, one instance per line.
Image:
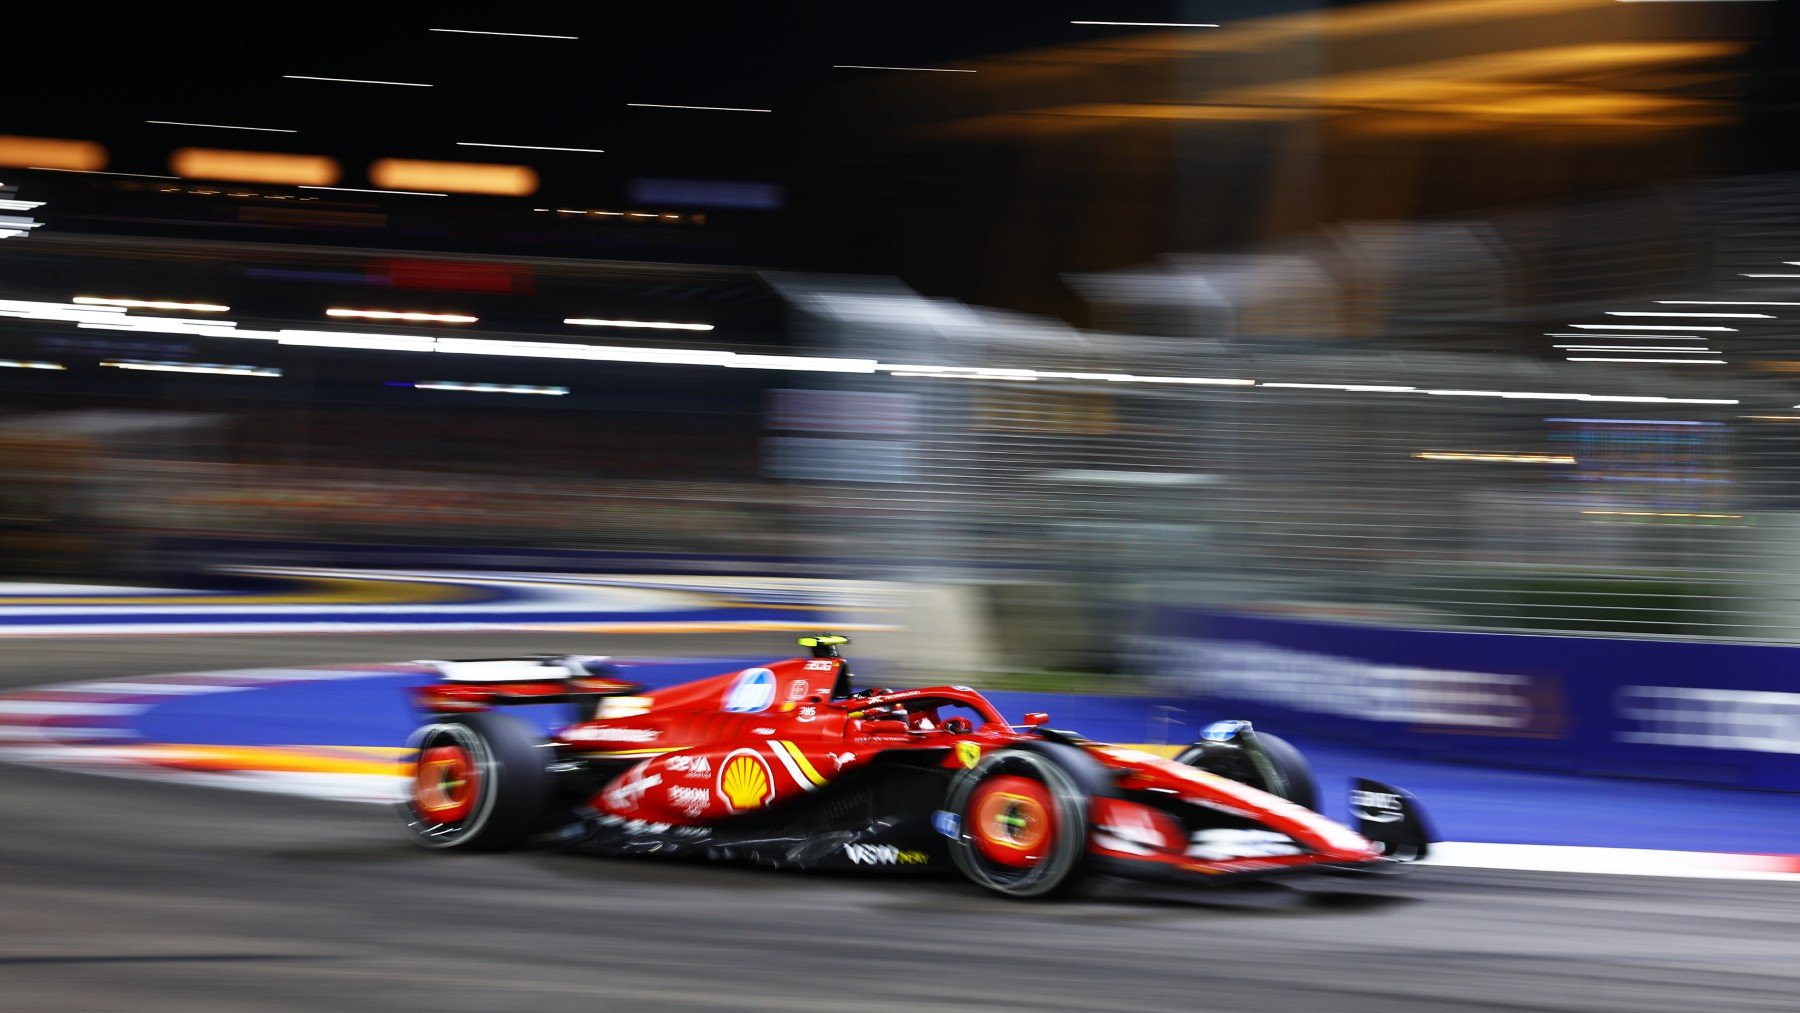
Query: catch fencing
x=1422, y=445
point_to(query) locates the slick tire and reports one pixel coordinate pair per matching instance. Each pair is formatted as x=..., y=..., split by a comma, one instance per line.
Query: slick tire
x=1023, y=824
x=1302, y=787
x=480, y=784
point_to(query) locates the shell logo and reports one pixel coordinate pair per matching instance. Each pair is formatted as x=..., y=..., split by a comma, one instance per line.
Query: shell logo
x=745, y=781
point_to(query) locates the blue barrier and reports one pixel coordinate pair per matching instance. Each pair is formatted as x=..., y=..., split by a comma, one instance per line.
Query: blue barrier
x=1684, y=711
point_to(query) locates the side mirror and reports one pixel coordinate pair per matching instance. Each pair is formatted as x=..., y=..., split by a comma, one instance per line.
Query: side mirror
x=1036, y=719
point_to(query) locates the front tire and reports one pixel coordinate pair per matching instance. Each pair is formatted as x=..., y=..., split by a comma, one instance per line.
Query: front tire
x=479, y=784
x=1023, y=824
x=1299, y=785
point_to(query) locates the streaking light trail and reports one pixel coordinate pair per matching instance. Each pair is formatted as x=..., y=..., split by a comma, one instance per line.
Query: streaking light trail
x=654, y=325
x=116, y=318
x=1459, y=455
x=1632, y=348
x=151, y=304
x=1623, y=337
x=1682, y=362
x=221, y=126
x=489, y=388
x=358, y=189
x=927, y=70
x=1649, y=327
x=1655, y=313
x=1146, y=24
x=510, y=35
x=217, y=368
x=355, y=80
x=528, y=147
x=100, y=172
x=714, y=109
x=441, y=318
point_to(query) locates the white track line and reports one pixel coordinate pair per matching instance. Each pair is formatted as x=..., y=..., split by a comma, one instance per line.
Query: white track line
x=1615, y=861
x=66, y=708
x=146, y=688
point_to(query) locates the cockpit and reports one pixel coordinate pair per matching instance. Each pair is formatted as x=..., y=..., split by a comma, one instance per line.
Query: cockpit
x=924, y=715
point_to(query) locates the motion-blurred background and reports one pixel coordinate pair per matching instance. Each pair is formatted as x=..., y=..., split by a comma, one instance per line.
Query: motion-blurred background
x=1222, y=345
x=1419, y=379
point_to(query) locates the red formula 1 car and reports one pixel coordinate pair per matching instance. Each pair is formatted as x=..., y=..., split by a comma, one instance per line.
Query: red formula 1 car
x=790, y=765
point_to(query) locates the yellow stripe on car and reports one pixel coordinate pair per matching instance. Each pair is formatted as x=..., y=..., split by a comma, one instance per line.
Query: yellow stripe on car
x=802, y=762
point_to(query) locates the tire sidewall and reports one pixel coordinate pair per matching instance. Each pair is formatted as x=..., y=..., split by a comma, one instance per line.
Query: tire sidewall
x=1302, y=785
x=511, y=784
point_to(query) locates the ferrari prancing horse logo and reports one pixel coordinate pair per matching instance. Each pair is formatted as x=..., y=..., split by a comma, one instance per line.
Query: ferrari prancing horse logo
x=745, y=781
x=967, y=753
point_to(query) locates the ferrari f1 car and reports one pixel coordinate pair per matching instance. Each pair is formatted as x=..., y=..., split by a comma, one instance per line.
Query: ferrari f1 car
x=790, y=765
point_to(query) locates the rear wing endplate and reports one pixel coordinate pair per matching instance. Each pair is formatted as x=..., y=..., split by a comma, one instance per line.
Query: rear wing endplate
x=482, y=683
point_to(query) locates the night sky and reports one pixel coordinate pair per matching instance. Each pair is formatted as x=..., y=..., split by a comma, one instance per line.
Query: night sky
x=858, y=188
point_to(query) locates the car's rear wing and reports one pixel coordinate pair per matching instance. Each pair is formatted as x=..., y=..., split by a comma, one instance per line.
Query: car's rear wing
x=479, y=684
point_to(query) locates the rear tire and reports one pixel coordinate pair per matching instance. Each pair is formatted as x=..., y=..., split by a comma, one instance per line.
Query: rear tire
x=1302, y=788
x=1023, y=824
x=479, y=784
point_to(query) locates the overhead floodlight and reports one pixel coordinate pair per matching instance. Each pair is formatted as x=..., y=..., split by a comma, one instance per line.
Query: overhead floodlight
x=51, y=153
x=413, y=174
x=255, y=167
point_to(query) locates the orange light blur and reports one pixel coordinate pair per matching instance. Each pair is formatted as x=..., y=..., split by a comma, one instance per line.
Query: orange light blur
x=51, y=153
x=454, y=177
x=255, y=166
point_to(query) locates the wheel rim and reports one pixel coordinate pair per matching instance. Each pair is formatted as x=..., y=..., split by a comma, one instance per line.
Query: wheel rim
x=446, y=784
x=1014, y=821
x=452, y=792
x=1024, y=822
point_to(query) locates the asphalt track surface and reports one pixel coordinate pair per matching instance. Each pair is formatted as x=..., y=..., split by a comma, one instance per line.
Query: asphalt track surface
x=131, y=895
